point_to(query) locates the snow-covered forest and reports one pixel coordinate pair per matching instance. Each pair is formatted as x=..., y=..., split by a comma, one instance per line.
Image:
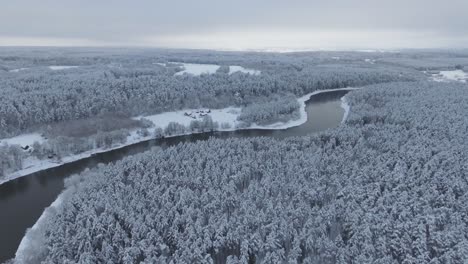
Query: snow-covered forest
x=388, y=186
x=234, y=132
x=82, y=100
x=135, y=85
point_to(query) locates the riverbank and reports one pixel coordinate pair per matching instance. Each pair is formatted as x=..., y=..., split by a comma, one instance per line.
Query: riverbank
x=346, y=108
x=372, y=154
x=32, y=236
x=322, y=112
x=226, y=115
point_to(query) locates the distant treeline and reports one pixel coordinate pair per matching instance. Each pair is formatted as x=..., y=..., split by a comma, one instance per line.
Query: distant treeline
x=132, y=85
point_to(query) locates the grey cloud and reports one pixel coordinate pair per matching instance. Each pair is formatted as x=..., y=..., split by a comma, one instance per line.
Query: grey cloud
x=122, y=21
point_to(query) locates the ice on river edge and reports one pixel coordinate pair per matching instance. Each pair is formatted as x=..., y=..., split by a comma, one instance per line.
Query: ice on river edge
x=28, y=240
x=222, y=116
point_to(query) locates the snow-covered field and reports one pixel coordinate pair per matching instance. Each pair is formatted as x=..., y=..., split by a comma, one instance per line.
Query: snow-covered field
x=346, y=107
x=446, y=76
x=222, y=116
x=226, y=115
x=18, y=70
x=30, y=238
x=197, y=69
x=233, y=69
x=184, y=117
x=23, y=140
x=229, y=115
x=59, y=67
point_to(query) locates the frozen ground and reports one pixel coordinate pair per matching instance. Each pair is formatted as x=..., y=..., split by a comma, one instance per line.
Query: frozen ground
x=29, y=240
x=446, y=76
x=197, y=69
x=23, y=140
x=18, y=70
x=184, y=117
x=229, y=115
x=233, y=69
x=226, y=115
x=59, y=67
x=222, y=116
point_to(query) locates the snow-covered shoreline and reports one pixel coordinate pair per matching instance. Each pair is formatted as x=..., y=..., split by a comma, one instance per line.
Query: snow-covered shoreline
x=197, y=69
x=346, y=107
x=303, y=114
x=23, y=140
x=27, y=242
x=162, y=119
x=448, y=76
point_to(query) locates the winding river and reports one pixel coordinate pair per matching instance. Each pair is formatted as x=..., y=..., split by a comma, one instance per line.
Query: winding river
x=23, y=200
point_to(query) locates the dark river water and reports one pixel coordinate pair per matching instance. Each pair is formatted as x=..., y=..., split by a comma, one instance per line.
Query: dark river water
x=23, y=200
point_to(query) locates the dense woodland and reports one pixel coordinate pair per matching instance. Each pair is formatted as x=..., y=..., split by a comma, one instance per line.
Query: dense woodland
x=90, y=106
x=279, y=109
x=388, y=186
x=133, y=85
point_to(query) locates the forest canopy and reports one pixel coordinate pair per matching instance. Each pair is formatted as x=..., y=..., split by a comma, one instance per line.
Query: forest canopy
x=388, y=186
x=136, y=83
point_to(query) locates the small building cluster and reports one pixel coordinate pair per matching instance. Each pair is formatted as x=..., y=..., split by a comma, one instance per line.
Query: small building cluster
x=197, y=114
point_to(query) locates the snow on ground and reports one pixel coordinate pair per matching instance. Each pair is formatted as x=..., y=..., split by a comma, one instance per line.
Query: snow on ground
x=59, y=67
x=226, y=115
x=29, y=241
x=233, y=69
x=23, y=140
x=303, y=114
x=18, y=70
x=346, y=107
x=184, y=117
x=33, y=164
x=229, y=115
x=456, y=75
x=197, y=69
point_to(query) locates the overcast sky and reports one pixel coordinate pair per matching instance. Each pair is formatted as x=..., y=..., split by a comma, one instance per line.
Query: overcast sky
x=241, y=24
